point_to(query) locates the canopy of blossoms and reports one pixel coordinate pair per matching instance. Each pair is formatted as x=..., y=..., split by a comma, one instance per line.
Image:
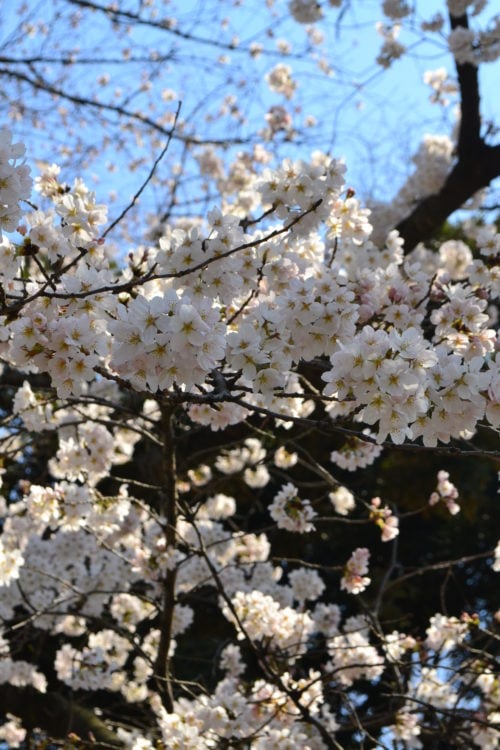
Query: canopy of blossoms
x=200, y=547
x=293, y=318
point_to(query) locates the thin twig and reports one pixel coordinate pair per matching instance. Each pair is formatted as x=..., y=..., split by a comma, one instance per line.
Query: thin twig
x=148, y=178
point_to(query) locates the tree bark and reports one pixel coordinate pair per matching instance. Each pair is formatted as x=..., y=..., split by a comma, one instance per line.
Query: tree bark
x=477, y=164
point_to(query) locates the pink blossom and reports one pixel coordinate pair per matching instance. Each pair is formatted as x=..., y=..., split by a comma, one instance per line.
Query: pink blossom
x=354, y=579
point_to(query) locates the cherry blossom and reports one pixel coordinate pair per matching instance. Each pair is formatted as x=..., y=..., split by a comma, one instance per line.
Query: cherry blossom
x=289, y=308
x=354, y=579
x=290, y=511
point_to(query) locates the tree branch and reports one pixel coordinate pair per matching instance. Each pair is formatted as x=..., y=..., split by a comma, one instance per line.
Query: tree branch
x=469, y=137
x=122, y=16
x=40, y=84
x=470, y=174
x=477, y=166
x=148, y=179
x=57, y=716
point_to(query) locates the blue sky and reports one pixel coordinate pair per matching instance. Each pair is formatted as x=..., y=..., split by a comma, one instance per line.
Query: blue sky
x=373, y=117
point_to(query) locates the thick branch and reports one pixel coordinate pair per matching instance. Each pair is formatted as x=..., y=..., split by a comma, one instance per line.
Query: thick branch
x=57, y=716
x=467, y=177
x=477, y=166
x=469, y=136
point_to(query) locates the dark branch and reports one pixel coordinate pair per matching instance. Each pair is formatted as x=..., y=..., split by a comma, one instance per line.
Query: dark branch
x=476, y=167
x=40, y=84
x=57, y=716
x=121, y=16
x=467, y=177
x=469, y=136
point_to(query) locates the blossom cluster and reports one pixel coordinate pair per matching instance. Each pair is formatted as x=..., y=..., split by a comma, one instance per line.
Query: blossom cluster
x=354, y=579
x=193, y=318
x=384, y=519
x=445, y=492
x=280, y=80
x=471, y=47
x=15, y=181
x=441, y=84
x=217, y=325
x=391, y=49
x=290, y=511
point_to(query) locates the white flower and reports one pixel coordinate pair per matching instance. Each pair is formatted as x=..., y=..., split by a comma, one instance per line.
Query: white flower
x=231, y=661
x=11, y=561
x=354, y=579
x=283, y=459
x=391, y=49
x=327, y=618
x=263, y=618
x=385, y=520
x=256, y=476
x=280, y=80
x=445, y=632
x=291, y=512
x=496, y=562
x=460, y=42
x=15, y=182
x=445, y=492
x=12, y=732
x=306, y=584
x=441, y=86
x=342, y=500
x=407, y=728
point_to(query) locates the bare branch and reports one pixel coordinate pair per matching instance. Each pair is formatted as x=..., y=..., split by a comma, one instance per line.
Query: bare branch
x=148, y=178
